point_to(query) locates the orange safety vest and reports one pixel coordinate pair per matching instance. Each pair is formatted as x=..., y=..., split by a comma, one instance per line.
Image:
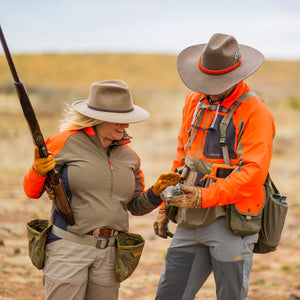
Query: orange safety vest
x=249, y=140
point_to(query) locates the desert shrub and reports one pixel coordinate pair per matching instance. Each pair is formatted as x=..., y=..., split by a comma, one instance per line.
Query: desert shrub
x=294, y=103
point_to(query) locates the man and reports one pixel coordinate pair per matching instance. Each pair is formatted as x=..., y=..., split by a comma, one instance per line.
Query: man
x=223, y=173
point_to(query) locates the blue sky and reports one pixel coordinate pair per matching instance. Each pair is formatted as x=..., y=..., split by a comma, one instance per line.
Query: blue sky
x=149, y=26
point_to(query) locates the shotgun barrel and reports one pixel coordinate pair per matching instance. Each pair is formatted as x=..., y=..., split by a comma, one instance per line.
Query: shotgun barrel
x=54, y=186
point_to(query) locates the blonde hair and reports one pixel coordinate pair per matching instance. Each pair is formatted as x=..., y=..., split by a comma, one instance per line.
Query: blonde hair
x=73, y=120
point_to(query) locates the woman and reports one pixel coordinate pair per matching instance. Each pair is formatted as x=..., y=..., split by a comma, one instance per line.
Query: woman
x=103, y=180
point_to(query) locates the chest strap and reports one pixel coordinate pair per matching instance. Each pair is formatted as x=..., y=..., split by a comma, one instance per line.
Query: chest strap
x=225, y=122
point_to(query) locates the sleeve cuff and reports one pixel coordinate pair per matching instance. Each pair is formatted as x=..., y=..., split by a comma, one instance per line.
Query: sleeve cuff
x=155, y=200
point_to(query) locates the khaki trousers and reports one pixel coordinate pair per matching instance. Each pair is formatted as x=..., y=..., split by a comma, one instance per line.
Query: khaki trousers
x=78, y=272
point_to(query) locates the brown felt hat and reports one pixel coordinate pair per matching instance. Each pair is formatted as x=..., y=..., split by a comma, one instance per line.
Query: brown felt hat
x=215, y=67
x=111, y=101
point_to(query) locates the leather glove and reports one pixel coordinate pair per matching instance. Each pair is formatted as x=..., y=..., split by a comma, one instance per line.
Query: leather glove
x=190, y=197
x=160, y=224
x=165, y=180
x=42, y=165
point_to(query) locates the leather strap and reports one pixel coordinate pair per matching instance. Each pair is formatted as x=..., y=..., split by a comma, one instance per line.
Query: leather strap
x=101, y=242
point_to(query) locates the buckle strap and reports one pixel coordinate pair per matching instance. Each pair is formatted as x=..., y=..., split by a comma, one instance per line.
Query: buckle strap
x=102, y=232
x=195, y=177
x=101, y=242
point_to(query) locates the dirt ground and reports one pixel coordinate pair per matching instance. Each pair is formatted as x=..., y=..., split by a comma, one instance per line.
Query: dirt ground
x=274, y=275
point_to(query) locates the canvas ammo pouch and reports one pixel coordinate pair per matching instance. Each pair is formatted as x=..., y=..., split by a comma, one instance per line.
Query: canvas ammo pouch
x=37, y=232
x=273, y=219
x=128, y=254
x=241, y=223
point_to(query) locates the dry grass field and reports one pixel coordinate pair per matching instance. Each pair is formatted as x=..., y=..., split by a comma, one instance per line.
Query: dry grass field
x=53, y=80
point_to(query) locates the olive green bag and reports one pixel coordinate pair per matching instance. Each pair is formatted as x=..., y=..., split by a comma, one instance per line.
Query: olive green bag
x=129, y=251
x=273, y=219
x=37, y=232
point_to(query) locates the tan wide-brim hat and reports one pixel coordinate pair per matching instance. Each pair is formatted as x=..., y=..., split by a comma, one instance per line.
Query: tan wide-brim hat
x=111, y=101
x=215, y=67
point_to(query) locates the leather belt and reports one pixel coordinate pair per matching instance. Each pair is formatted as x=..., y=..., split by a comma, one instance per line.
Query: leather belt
x=100, y=242
x=102, y=233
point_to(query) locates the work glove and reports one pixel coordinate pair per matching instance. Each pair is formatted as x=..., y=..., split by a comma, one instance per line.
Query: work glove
x=42, y=165
x=190, y=197
x=165, y=180
x=160, y=224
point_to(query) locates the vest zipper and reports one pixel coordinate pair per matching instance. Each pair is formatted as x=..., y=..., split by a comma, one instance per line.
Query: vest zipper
x=111, y=176
x=110, y=164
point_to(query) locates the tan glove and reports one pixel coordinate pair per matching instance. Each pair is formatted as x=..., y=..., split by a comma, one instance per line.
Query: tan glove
x=190, y=197
x=160, y=224
x=165, y=180
x=43, y=165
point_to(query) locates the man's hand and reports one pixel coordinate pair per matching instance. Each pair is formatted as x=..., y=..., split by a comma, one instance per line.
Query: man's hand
x=190, y=197
x=165, y=180
x=160, y=224
x=42, y=165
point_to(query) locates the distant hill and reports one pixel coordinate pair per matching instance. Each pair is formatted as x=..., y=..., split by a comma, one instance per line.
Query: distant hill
x=139, y=70
x=67, y=77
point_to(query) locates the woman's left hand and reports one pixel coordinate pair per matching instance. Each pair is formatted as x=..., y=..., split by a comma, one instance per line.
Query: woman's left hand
x=165, y=180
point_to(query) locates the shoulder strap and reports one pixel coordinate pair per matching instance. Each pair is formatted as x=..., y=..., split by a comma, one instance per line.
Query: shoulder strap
x=225, y=122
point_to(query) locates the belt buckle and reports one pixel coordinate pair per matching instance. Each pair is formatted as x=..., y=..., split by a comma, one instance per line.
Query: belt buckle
x=102, y=242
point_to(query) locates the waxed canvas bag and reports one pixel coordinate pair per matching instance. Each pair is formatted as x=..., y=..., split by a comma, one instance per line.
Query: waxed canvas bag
x=273, y=219
x=129, y=251
x=37, y=232
x=269, y=222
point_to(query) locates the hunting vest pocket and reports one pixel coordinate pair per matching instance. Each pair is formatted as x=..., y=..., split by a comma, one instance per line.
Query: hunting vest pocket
x=37, y=232
x=241, y=223
x=212, y=148
x=128, y=254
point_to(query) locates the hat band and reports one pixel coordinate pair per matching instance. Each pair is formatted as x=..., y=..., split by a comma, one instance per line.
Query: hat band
x=111, y=110
x=216, y=72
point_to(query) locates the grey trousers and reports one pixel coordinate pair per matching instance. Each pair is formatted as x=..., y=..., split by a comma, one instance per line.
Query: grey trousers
x=196, y=252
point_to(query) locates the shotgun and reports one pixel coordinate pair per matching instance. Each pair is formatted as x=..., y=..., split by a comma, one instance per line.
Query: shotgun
x=53, y=184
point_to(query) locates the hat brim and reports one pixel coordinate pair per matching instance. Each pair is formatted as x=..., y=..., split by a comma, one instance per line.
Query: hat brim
x=197, y=80
x=138, y=114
